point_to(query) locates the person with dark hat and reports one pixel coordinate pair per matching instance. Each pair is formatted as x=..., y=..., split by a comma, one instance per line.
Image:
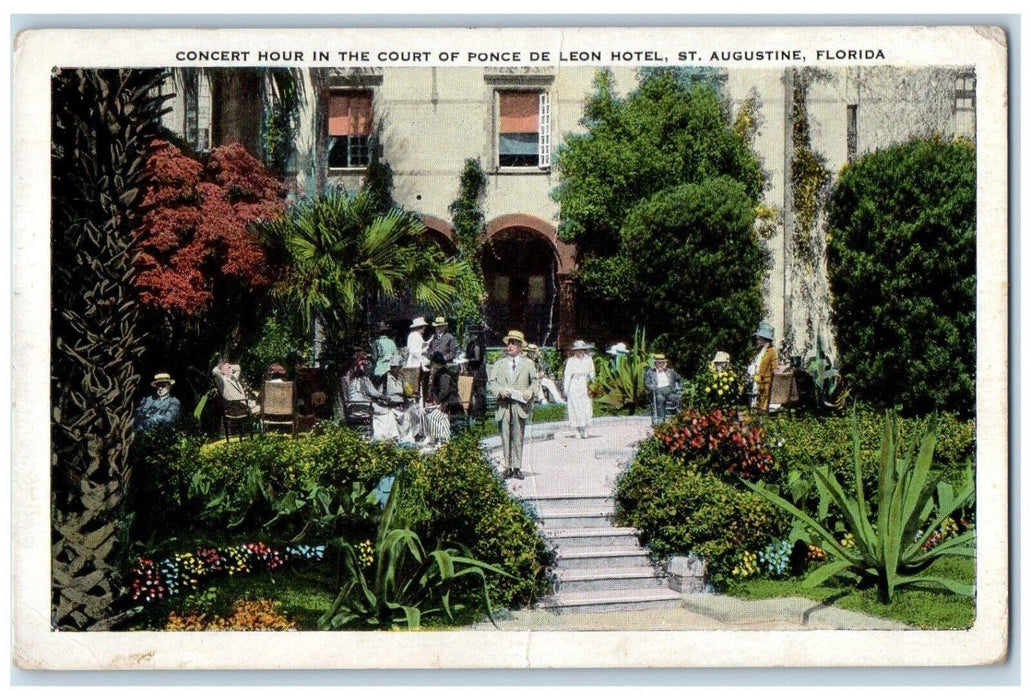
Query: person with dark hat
x=760, y=371
x=664, y=384
x=442, y=341
x=513, y=382
x=160, y=410
x=380, y=352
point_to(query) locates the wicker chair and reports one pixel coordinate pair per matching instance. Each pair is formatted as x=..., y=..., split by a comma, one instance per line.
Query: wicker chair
x=277, y=405
x=784, y=390
x=357, y=415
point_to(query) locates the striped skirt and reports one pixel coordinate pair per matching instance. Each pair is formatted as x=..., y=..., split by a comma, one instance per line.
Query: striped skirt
x=439, y=424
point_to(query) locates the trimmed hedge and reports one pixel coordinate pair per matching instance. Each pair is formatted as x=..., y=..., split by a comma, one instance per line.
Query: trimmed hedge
x=454, y=496
x=678, y=509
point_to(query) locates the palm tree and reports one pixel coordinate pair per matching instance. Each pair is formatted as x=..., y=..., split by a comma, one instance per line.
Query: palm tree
x=103, y=121
x=343, y=253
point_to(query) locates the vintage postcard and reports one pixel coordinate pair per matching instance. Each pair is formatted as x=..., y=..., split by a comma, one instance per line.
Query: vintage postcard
x=510, y=348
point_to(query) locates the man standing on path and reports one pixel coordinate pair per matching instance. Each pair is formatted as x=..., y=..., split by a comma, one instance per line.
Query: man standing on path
x=513, y=382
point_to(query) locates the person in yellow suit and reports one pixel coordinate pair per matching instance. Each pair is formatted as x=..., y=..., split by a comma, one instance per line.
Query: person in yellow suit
x=514, y=383
x=761, y=368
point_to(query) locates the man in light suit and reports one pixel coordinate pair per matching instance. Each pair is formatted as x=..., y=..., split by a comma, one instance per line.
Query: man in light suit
x=514, y=382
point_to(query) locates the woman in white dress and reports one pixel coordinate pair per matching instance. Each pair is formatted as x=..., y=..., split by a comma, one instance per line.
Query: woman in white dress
x=416, y=346
x=576, y=378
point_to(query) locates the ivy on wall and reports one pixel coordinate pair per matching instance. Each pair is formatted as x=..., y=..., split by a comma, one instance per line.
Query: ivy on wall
x=810, y=177
x=469, y=225
x=276, y=130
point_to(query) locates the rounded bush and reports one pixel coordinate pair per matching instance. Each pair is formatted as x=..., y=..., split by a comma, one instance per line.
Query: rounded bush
x=901, y=266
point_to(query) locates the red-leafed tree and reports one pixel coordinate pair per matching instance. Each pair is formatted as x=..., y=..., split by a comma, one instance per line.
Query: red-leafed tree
x=196, y=236
x=202, y=273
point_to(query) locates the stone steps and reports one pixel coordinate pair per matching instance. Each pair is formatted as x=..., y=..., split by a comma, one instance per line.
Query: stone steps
x=608, y=579
x=599, y=566
x=605, y=601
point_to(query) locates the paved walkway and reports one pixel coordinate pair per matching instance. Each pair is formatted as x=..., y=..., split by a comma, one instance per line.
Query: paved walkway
x=557, y=463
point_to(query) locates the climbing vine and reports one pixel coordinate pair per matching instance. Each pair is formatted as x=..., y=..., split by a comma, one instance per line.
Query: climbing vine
x=810, y=177
x=276, y=132
x=469, y=226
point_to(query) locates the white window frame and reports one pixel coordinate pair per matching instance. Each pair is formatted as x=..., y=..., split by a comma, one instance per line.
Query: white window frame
x=543, y=130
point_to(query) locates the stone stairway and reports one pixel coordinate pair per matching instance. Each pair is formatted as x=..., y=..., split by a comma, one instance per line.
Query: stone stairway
x=599, y=566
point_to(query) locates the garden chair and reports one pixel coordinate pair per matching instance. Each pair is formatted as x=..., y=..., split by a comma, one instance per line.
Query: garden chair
x=277, y=405
x=413, y=388
x=357, y=414
x=234, y=413
x=784, y=390
x=463, y=421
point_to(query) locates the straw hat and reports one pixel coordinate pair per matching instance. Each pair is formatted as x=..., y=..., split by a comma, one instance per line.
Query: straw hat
x=418, y=322
x=580, y=345
x=163, y=378
x=721, y=356
x=517, y=336
x=659, y=357
x=439, y=321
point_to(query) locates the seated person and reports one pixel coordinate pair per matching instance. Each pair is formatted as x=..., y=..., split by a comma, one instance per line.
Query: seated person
x=409, y=415
x=548, y=389
x=160, y=410
x=369, y=400
x=232, y=388
x=663, y=383
x=444, y=397
x=275, y=373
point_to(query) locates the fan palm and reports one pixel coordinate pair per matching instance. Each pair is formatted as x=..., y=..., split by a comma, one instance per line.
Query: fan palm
x=342, y=252
x=103, y=121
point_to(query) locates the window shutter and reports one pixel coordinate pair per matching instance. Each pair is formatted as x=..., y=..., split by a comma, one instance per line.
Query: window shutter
x=544, y=126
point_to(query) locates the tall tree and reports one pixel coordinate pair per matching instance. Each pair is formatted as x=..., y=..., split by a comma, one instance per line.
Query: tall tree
x=901, y=262
x=203, y=273
x=668, y=133
x=102, y=124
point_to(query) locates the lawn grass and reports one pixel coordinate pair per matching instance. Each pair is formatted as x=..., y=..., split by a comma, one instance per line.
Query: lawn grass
x=926, y=608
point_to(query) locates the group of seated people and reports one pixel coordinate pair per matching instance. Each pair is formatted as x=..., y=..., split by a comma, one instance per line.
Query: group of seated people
x=402, y=410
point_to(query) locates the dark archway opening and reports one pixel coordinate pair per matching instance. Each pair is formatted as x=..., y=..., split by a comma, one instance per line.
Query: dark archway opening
x=519, y=269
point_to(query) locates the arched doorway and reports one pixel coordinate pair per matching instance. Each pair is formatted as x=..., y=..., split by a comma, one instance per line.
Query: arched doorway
x=520, y=271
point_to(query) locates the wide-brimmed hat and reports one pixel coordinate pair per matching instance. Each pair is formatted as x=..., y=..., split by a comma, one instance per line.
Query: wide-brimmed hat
x=659, y=357
x=397, y=361
x=162, y=378
x=418, y=322
x=532, y=348
x=516, y=336
x=439, y=321
x=721, y=356
x=580, y=345
x=618, y=349
x=764, y=330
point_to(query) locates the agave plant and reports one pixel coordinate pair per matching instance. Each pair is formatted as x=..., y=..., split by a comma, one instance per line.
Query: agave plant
x=890, y=540
x=623, y=386
x=403, y=582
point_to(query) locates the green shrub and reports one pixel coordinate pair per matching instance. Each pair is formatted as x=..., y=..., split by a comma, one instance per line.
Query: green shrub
x=311, y=487
x=454, y=496
x=892, y=540
x=901, y=267
x=797, y=443
x=161, y=465
x=678, y=510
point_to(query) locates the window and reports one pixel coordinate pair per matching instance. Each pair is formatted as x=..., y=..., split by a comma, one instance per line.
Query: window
x=350, y=129
x=965, y=87
x=524, y=129
x=852, y=132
